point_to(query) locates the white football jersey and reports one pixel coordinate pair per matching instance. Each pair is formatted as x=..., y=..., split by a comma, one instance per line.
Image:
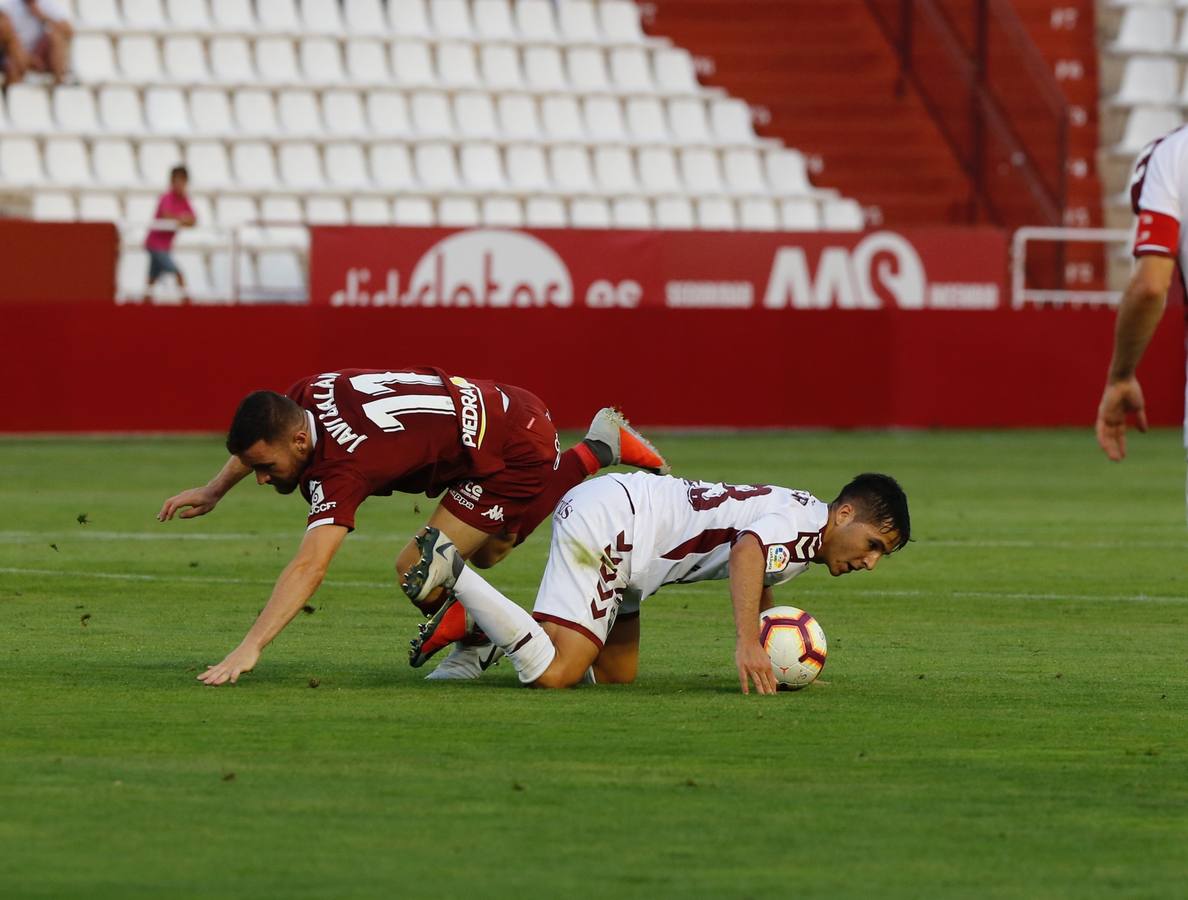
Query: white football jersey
x=684, y=530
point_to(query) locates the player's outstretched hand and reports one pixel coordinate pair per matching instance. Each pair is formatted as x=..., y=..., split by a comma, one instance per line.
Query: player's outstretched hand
x=188, y=504
x=1120, y=399
x=241, y=659
x=754, y=665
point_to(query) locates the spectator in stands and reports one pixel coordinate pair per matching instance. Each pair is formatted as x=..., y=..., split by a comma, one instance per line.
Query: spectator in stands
x=35, y=36
x=174, y=206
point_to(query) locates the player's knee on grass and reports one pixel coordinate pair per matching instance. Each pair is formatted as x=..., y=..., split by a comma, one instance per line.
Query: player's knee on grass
x=618, y=663
x=575, y=653
x=494, y=551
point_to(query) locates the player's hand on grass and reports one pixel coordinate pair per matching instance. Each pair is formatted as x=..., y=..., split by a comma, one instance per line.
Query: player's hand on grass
x=754, y=665
x=241, y=659
x=188, y=504
x=1119, y=400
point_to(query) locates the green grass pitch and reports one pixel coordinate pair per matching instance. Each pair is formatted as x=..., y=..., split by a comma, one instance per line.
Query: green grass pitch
x=1003, y=713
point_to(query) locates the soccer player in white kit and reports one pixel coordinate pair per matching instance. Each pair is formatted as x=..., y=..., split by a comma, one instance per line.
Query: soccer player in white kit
x=618, y=539
x=1158, y=194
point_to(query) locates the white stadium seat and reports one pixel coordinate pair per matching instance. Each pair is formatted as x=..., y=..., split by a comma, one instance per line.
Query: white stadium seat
x=500, y=67
x=502, y=212
x=1145, y=123
x=758, y=214
x=451, y=18
x=387, y=114
x=545, y=212
x=413, y=211
x=210, y=112
x=321, y=61
x=192, y=264
x=343, y=114
x=731, y=121
x=20, y=161
x=278, y=16
x=744, y=173
x=408, y=17
x=412, y=66
x=100, y=208
x=231, y=60
x=166, y=111
x=543, y=68
x=716, y=214
x=321, y=17
x=370, y=211
x=94, y=59
x=54, y=206
x=1149, y=80
x=67, y=162
x=431, y=115
x=391, y=167
x=631, y=70
x=518, y=118
x=571, y=170
x=1146, y=29
x=614, y=170
x=589, y=212
x=367, y=62
x=253, y=166
x=800, y=214
x=222, y=284
x=436, y=167
x=604, y=120
x=120, y=110
x=842, y=215
x=458, y=212
x=493, y=20
x=690, y=124
x=114, y=164
x=276, y=61
x=576, y=21
x=587, y=69
x=482, y=168
x=231, y=211
x=301, y=167
x=29, y=108
x=139, y=59
x=620, y=21
x=534, y=20
x=143, y=15
x=101, y=15
x=346, y=168
x=646, y=120
x=140, y=209
x=658, y=171
x=255, y=112
x=701, y=172
x=233, y=15
x=207, y=162
x=190, y=16
x=674, y=71
x=364, y=17
x=675, y=213
x=527, y=168
x=562, y=119
x=475, y=115
x=631, y=212
x=185, y=60
x=456, y=65
x=787, y=172
x=299, y=113
x=156, y=157
x=279, y=272
x=74, y=109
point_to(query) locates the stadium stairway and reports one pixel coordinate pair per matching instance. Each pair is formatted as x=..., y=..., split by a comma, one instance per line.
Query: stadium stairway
x=823, y=78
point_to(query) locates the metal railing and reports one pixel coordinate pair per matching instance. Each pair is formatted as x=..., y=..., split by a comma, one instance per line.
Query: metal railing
x=1025, y=238
x=993, y=98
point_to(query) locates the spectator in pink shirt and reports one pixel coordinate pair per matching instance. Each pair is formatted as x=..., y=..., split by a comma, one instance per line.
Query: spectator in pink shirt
x=175, y=206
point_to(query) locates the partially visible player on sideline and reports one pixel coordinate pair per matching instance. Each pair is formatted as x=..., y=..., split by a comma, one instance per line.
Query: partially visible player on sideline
x=344, y=436
x=174, y=206
x=1158, y=194
x=35, y=36
x=618, y=539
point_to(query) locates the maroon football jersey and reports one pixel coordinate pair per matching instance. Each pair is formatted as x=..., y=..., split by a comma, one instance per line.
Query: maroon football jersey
x=413, y=430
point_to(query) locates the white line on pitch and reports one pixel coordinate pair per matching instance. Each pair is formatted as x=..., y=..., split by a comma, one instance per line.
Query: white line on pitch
x=183, y=579
x=1007, y=595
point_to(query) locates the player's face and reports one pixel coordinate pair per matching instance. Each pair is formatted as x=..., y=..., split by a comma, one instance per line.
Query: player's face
x=279, y=463
x=850, y=545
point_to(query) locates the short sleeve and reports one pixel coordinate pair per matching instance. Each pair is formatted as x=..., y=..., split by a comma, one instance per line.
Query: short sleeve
x=784, y=541
x=1161, y=186
x=334, y=499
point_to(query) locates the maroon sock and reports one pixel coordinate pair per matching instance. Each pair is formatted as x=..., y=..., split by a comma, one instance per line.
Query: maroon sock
x=576, y=464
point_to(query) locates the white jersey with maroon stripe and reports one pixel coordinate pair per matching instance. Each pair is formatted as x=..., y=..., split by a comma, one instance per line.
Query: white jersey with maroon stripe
x=1159, y=196
x=684, y=530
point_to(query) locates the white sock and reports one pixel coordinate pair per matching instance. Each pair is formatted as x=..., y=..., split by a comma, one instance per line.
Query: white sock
x=509, y=626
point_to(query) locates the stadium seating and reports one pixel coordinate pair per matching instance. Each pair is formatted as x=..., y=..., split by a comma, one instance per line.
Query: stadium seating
x=452, y=112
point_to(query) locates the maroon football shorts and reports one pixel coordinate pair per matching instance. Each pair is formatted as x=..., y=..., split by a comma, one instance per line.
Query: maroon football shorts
x=531, y=452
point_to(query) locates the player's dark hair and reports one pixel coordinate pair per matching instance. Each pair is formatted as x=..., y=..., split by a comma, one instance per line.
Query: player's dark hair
x=262, y=416
x=179, y=170
x=879, y=500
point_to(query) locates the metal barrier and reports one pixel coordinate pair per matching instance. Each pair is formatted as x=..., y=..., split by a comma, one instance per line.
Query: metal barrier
x=1021, y=295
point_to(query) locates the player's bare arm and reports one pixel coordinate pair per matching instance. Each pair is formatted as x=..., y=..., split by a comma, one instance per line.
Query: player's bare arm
x=1138, y=316
x=747, y=594
x=294, y=588
x=201, y=500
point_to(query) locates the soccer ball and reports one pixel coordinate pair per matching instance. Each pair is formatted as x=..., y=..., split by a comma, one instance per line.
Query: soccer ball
x=795, y=643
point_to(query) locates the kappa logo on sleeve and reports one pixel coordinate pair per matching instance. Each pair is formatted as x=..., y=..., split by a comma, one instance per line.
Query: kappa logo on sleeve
x=778, y=558
x=317, y=499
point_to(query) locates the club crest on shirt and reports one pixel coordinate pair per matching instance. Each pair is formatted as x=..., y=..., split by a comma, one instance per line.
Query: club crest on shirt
x=778, y=558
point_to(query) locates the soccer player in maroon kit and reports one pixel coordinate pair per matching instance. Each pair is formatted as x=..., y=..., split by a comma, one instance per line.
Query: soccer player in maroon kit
x=344, y=436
